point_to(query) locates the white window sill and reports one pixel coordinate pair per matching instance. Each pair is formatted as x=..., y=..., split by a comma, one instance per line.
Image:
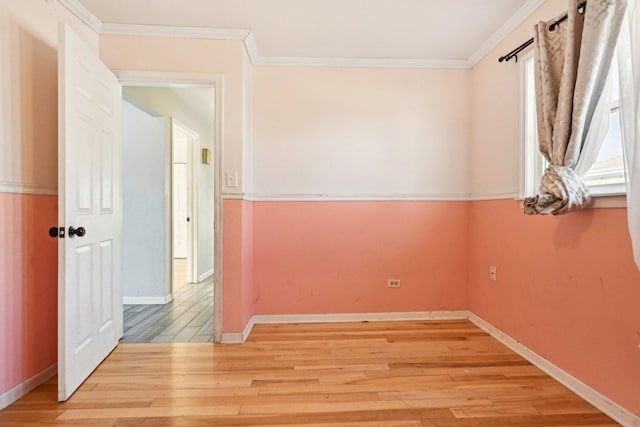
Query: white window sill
x=608, y=201
x=602, y=200
x=611, y=195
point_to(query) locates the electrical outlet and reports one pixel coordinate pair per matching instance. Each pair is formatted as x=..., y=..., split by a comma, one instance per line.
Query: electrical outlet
x=493, y=273
x=393, y=283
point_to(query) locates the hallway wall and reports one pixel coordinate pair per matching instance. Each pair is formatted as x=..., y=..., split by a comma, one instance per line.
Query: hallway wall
x=144, y=257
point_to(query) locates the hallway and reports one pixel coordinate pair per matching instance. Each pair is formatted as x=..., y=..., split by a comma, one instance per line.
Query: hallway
x=188, y=318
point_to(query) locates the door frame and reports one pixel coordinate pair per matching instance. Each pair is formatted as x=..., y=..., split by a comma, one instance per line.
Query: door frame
x=193, y=160
x=203, y=80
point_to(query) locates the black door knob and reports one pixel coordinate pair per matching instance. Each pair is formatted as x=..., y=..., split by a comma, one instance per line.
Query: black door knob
x=53, y=232
x=80, y=231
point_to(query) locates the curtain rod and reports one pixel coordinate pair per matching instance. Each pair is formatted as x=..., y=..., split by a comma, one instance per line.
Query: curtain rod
x=514, y=53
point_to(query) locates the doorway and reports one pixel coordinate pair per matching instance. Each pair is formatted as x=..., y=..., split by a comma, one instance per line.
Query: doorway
x=185, y=143
x=169, y=239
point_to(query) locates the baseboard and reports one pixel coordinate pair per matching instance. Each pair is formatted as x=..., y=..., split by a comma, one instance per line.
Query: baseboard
x=205, y=275
x=146, y=300
x=239, y=337
x=603, y=403
x=10, y=396
x=271, y=319
x=267, y=319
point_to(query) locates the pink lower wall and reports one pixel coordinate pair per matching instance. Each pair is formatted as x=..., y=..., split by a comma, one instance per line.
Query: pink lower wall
x=336, y=257
x=247, y=265
x=28, y=287
x=567, y=288
x=237, y=258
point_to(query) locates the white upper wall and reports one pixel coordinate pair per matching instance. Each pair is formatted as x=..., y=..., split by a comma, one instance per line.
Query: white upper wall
x=356, y=132
x=496, y=108
x=247, y=113
x=29, y=88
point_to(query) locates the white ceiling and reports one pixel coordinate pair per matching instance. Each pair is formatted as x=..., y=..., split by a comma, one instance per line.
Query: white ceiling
x=200, y=100
x=428, y=30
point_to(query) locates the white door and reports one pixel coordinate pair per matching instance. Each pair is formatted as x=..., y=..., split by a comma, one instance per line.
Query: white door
x=89, y=294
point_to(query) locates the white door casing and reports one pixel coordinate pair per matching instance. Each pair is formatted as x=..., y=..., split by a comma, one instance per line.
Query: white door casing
x=180, y=211
x=90, y=318
x=215, y=81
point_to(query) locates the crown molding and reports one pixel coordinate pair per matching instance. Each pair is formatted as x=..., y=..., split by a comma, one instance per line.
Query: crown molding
x=251, y=48
x=75, y=7
x=361, y=62
x=109, y=28
x=254, y=55
x=511, y=24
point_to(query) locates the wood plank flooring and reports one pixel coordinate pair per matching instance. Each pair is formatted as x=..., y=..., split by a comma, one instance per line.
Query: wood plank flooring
x=446, y=373
x=188, y=318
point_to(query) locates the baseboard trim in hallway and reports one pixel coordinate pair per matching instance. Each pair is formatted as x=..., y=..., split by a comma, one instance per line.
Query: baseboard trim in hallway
x=147, y=300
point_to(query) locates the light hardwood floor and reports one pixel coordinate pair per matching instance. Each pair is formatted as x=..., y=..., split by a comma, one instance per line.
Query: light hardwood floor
x=447, y=373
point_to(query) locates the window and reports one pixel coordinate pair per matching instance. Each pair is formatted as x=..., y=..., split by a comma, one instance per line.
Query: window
x=606, y=176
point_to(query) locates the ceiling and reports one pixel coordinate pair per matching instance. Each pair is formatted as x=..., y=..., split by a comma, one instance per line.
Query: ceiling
x=404, y=30
x=200, y=100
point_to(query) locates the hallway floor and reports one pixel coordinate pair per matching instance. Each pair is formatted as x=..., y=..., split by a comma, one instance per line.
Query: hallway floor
x=188, y=318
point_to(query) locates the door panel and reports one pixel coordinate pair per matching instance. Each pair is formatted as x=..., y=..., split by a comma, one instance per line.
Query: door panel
x=106, y=284
x=81, y=131
x=106, y=172
x=89, y=296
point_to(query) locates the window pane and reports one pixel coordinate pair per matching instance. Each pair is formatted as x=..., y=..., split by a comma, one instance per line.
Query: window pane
x=608, y=167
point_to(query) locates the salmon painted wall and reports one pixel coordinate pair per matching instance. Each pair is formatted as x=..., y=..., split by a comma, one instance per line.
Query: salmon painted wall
x=237, y=264
x=28, y=287
x=567, y=287
x=336, y=257
x=28, y=184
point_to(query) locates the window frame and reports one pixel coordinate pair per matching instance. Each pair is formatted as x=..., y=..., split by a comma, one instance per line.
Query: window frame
x=532, y=169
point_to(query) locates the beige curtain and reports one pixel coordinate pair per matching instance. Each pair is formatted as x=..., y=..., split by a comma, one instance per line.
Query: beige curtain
x=571, y=66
